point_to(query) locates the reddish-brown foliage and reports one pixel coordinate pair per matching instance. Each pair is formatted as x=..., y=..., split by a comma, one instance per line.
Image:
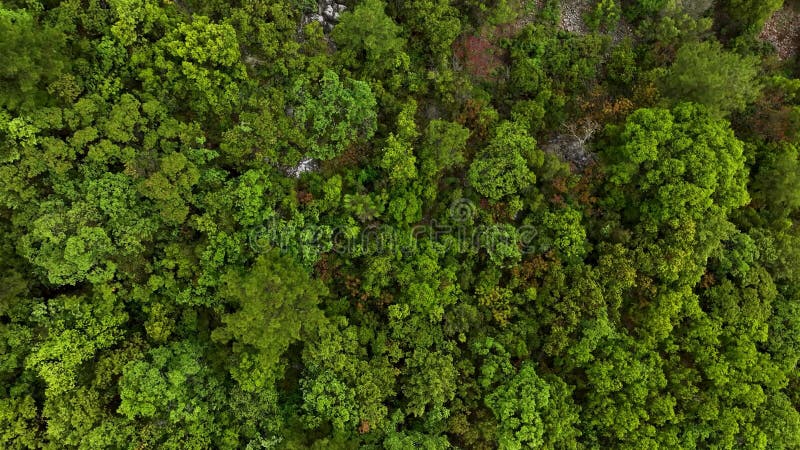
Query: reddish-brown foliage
x=774, y=119
x=590, y=177
x=600, y=107
x=708, y=280
x=323, y=269
x=473, y=117
x=479, y=56
x=305, y=197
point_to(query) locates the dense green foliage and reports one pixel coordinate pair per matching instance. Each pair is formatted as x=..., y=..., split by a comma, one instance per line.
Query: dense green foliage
x=421, y=224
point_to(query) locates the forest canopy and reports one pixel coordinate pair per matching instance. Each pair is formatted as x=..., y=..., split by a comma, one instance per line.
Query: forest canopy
x=303, y=224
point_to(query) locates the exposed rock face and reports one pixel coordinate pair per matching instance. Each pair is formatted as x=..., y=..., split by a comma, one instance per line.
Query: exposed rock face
x=572, y=146
x=570, y=150
x=306, y=165
x=623, y=30
x=572, y=12
x=782, y=30
x=327, y=14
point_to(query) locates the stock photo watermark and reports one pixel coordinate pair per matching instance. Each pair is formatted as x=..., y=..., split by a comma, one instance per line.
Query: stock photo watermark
x=459, y=234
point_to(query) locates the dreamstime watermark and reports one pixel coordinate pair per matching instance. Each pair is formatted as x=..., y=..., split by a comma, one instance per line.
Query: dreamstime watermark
x=459, y=234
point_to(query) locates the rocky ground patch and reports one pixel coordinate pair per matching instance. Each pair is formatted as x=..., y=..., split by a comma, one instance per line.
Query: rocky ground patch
x=782, y=30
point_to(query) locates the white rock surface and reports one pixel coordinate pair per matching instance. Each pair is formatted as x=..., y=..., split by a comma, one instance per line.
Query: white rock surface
x=782, y=30
x=327, y=14
x=572, y=12
x=306, y=165
x=573, y=145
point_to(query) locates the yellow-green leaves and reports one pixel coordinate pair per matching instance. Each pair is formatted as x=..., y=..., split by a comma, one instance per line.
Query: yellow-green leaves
x=503, y=167
x=369, y=39
x=335, y=114
x=276, y=304
x=705, y=73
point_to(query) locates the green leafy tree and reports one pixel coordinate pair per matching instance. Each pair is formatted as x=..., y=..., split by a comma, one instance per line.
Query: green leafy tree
x=174, y=386
x=749, y=15
x=336, y=116
x=503, y=167
x=437, y=20
x=77, y=328
x=444, y=146
x=675, y=177
x=31, y=55
x=773, y=186
x=685, y=165
x=398, y=155
x=605, y=15
x=344, y=385
x=369, y=39
x=527, y=411
x=277, y=304
x=707, y=74
x=442, y=149
x=565, y=233
x=190, y=62
x=432, y=383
